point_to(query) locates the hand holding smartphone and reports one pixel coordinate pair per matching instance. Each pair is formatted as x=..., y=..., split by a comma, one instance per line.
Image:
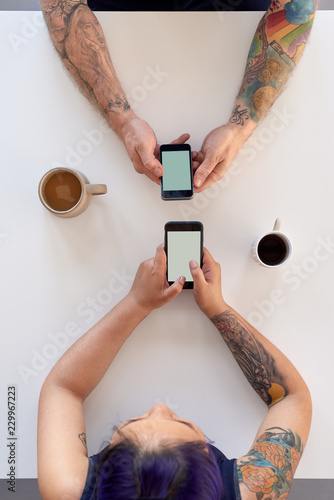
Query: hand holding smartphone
x=183, y=242
x=177, y=180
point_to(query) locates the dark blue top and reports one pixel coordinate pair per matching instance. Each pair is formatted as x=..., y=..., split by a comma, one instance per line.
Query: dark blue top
x=167, y=5
x=227, y=469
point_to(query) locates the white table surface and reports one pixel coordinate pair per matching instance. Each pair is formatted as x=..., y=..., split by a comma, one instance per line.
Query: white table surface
x=54, y=273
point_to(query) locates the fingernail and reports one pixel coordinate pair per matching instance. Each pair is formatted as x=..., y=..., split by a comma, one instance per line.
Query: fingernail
x=157, y=171
x=198, y=183
x=192, y=264
x=182, y=280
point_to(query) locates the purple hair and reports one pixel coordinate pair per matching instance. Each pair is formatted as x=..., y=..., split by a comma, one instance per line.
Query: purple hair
x=184, y=471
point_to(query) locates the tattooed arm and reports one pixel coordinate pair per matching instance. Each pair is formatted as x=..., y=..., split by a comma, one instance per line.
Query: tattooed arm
x=266, y=472
x=276, y=48
x=79, y=40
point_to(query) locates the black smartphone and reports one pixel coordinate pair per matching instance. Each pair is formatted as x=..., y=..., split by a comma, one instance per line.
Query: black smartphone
x=177, y=180
x=183, y=242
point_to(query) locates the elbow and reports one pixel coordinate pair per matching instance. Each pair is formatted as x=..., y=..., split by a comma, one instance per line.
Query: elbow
x=307, y=398
x=303, y=400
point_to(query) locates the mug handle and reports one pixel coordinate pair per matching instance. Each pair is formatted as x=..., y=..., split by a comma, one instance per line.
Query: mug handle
x=277, y=225
x=96, y=188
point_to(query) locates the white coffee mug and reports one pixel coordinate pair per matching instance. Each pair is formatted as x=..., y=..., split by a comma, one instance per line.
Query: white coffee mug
x=272, y=249
x=66, y=192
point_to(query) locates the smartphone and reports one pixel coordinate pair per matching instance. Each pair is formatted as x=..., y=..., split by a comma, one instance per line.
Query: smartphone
x=177, y=180
x=183, y=242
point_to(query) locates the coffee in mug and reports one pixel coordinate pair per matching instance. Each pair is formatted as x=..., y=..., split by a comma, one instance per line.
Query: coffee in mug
x=62, y=191
x=66, y=192
x=272, y=249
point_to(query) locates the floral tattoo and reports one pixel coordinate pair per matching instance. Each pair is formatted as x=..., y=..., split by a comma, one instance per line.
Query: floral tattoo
x=269, y=467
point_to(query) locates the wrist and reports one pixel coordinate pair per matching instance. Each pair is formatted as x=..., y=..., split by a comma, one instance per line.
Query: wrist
x=136, y=307
x=119, y=122
x=216, y=308
x=240, y=122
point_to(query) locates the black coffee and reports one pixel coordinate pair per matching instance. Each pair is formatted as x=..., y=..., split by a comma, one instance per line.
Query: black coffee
x=272, y=250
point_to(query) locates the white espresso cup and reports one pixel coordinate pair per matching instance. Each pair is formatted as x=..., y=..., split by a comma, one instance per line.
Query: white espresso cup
x=66, y=192
x=272, y=249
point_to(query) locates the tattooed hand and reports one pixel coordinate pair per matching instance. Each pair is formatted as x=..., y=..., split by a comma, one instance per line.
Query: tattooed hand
x=143, y=150
x=141, y=145
x=219, y=149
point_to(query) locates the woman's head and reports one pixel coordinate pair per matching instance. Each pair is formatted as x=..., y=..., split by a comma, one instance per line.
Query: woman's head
x=156, y=456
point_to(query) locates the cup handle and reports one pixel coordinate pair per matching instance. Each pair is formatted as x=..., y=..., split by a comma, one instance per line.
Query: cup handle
x=96, y=188
x=277, y=225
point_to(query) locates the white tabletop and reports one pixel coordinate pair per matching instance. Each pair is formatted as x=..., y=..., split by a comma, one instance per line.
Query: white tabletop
x=62, y=275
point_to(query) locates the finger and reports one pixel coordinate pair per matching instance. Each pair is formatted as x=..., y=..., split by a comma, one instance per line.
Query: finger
x=153, y=165
x=174, y=289
x=156, y=151
x=149, y=161
x=214, y=176
x=207, y=257
x=197, y=274
x=182, y=139
x=208, y=261
x=206, y=184
x=204, y=170
x=197, y=160
x=138, y=165
x=160, y=258
x=196, y=164
x=211, y=269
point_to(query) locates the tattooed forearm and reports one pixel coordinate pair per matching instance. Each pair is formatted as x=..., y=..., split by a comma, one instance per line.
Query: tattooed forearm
x=118, y=103
x=269, y=467
x=80, y=42
x=239, y=115
x=255, y=361
x=82, y=438
x=277, y=47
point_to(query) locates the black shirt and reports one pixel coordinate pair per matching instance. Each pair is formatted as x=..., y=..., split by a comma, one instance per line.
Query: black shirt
x=181, y=5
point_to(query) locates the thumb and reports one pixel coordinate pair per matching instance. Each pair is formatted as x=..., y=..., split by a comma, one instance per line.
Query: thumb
x=153, y=165
x=150, y=161
x=203, y=171
x=174, y=289
x=197, y=274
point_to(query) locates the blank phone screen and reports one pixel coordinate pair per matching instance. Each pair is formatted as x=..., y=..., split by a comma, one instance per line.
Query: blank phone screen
x=182, y=246
x=177, y=175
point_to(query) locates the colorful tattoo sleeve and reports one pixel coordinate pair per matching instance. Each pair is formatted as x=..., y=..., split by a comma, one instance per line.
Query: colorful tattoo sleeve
x=269, y=467
x=275, y=51
x=255, y=361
